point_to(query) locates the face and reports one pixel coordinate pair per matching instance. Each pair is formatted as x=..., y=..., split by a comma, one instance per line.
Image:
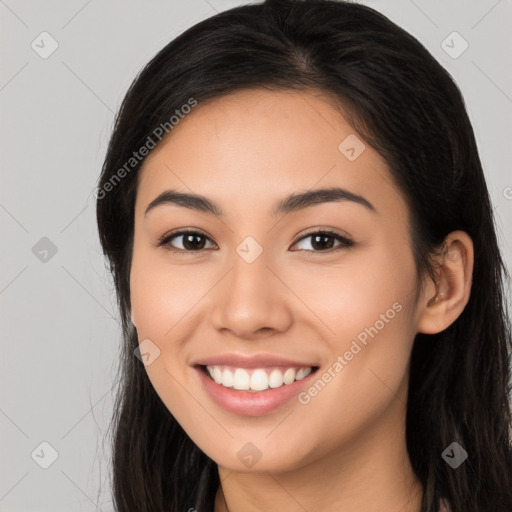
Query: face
x=252, y=282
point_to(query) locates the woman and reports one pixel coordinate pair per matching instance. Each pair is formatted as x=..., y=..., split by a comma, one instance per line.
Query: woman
x=310, y=285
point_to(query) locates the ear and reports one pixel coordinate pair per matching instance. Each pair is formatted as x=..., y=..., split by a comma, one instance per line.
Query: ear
x=133, y=321
x=443, y=301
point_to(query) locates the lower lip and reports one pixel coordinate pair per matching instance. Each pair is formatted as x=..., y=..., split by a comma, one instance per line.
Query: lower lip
x=250, y=403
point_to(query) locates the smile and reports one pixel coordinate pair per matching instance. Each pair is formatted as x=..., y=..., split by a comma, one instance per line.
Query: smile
x=254, y=402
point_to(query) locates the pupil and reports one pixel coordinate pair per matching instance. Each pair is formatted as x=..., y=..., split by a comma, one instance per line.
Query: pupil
x=318, y=242
x=192, y=245
x=322, y=246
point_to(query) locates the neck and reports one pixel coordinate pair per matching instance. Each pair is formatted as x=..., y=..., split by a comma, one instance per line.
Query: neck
x=275, y=493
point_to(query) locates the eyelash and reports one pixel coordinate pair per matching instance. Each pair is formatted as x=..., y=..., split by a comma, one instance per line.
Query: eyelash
x=164, y=241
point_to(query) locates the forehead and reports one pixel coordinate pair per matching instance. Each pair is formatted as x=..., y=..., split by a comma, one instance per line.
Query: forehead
x=255, y=144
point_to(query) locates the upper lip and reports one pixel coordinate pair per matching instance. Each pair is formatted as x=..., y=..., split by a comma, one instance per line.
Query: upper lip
x=253, y=361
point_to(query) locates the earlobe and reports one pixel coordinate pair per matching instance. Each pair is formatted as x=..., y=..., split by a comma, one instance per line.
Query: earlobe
x=133, y=321
x=440, y=309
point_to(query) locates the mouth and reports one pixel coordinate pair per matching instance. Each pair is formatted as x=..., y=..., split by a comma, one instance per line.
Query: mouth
x=255, y=380
x=231, y=388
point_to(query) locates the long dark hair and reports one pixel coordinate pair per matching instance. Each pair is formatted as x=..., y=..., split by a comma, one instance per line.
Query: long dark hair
x=408, y=108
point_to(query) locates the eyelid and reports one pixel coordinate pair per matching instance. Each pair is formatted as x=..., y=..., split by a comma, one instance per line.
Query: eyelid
x=326, y=231
x=164, y=240
x=346, y=241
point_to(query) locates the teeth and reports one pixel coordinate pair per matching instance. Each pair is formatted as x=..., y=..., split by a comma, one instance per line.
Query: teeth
x=275, y=379
x=258, y=379
x=241, y=379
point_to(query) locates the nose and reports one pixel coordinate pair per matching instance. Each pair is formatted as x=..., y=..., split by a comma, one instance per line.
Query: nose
x=252, y=301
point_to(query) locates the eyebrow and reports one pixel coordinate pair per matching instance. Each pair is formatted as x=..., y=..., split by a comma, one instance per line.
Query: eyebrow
x=289, y=204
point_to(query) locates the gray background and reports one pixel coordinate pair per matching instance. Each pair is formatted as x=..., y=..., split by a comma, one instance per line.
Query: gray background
x=59, y=328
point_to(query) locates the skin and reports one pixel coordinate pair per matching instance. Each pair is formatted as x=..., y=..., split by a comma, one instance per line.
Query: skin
x=345, y=449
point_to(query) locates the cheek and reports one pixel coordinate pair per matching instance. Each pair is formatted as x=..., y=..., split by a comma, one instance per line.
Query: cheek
x=367, y=308
x=365, y=378
x=350, y=296
x=163, y=295
x=163, y=299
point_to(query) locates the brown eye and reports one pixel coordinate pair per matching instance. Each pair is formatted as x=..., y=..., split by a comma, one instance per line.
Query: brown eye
x=323, y=241
x=192, y=241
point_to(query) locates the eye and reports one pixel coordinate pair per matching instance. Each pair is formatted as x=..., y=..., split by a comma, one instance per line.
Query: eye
x=190, y=243
x=320, y=239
